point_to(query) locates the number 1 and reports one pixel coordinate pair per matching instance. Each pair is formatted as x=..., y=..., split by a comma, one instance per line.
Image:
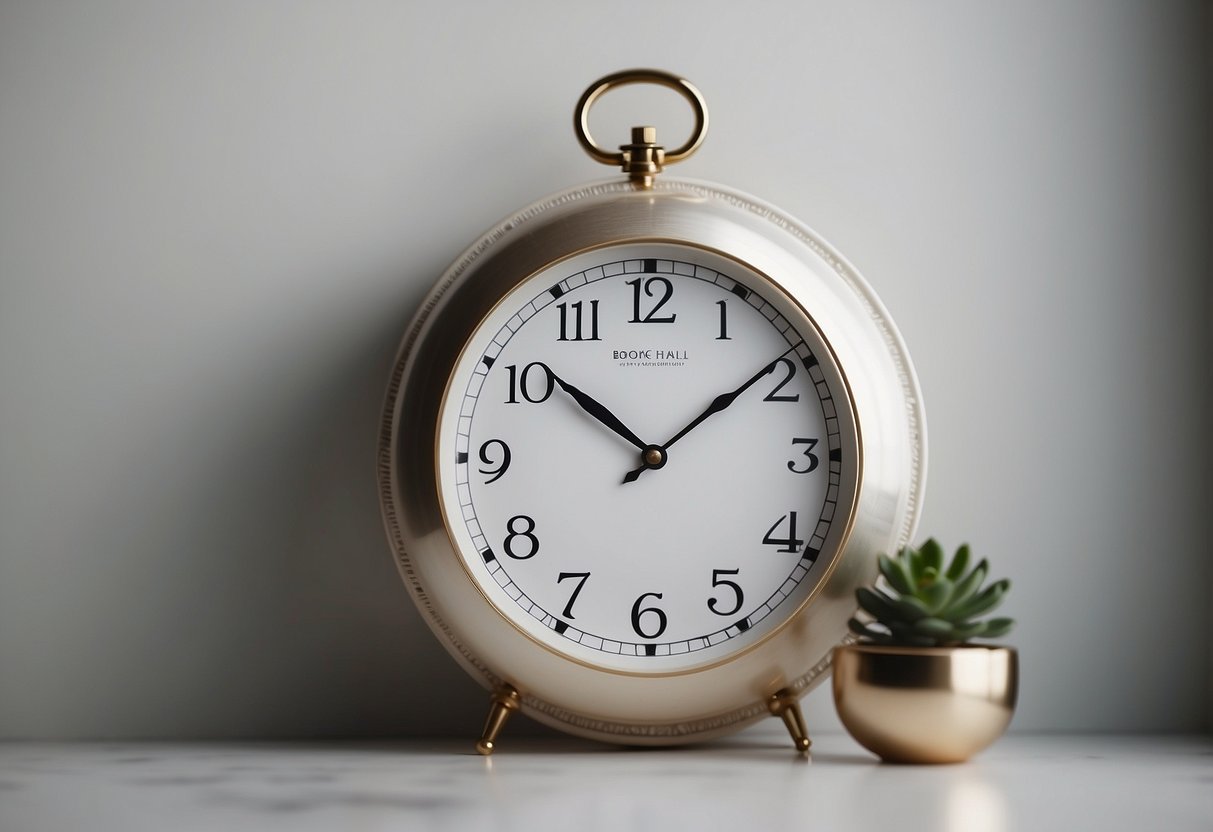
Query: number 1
x=724, y=322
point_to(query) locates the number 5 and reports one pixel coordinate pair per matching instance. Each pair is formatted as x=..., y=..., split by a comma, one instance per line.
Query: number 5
x=717, y=581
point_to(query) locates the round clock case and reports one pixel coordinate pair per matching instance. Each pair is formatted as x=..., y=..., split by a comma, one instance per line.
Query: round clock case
x=639, y=447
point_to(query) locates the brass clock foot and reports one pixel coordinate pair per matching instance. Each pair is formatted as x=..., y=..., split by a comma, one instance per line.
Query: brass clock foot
x=505, y=700
x=784, y=705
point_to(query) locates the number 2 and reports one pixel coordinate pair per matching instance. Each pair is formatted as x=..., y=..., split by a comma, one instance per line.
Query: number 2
x=774, y=396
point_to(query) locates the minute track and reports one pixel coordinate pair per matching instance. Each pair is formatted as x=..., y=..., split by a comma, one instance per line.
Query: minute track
x=693, y=644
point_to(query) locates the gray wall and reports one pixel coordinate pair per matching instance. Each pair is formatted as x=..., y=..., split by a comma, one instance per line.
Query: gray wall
x=217, y=218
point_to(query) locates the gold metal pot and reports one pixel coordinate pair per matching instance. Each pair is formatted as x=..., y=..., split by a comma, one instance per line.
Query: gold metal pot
x=925, y=704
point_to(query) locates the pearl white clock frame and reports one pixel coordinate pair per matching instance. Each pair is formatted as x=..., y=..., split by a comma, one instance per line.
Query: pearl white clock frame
x=703, y=701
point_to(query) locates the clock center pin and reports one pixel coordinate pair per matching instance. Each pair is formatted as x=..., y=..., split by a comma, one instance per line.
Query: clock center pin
x=654, y=456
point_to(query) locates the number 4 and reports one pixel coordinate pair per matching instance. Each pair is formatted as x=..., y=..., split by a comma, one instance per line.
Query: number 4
x=791, y=543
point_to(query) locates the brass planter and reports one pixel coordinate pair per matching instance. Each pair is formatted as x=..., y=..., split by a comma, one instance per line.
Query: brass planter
x=925, y=704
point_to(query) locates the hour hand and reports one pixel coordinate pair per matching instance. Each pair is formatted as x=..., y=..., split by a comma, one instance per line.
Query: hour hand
x=595, y=408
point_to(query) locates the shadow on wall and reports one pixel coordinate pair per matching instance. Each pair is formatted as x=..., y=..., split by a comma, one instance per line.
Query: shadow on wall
x=349, y=652
x=270, y=603
x=332, y=644
x=212, y=562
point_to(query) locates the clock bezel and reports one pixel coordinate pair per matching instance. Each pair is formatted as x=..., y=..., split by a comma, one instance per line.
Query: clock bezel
x=708, y=700
x=850, y=475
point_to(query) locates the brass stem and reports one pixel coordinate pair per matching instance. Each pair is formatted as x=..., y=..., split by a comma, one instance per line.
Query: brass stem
x=785, y=705
x=505, y=700
x=643, y=158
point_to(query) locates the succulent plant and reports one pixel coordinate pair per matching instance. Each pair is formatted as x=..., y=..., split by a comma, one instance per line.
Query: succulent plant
x=928, y=605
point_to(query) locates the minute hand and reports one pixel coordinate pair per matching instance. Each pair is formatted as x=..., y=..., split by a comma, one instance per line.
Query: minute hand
x=718, y=404
x=721, y=402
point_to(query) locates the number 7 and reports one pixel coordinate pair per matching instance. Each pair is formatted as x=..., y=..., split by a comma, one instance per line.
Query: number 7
x=568, y=608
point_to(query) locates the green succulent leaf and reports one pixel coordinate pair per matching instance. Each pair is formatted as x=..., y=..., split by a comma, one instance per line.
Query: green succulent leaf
x=896, y=573
x=965, y=630
x=932, y=556
x=910, y=608
x=936, y=627
x=987, y=600
x=998, y=627
x=877, y=604
x=888, y=609
x=909, y=636
x=960, y=562
x=926, y=604
x=913, y=558
x=966, y=589
x=936, y=595
x=863, y=630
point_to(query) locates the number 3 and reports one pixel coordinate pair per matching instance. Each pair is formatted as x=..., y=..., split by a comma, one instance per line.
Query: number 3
x=813, y=460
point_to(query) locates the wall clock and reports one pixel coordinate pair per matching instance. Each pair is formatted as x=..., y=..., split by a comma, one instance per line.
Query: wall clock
x=640, y=445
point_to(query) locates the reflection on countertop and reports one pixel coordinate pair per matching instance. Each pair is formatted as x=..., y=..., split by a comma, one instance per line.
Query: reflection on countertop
x=745, y=782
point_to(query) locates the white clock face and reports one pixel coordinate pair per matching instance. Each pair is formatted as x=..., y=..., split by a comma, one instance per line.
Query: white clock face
x=647, y=457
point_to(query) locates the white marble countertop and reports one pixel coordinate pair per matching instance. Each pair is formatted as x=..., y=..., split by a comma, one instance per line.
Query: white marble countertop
x=744, y=783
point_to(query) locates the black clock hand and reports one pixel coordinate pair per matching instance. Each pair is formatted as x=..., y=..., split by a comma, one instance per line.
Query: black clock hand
x=595, y=409
x=718, y=404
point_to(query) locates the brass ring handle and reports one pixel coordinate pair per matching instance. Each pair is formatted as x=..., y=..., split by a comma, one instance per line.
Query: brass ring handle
x=581, y=116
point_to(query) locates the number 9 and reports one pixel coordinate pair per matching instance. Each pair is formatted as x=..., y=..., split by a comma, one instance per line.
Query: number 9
x=488, y=460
